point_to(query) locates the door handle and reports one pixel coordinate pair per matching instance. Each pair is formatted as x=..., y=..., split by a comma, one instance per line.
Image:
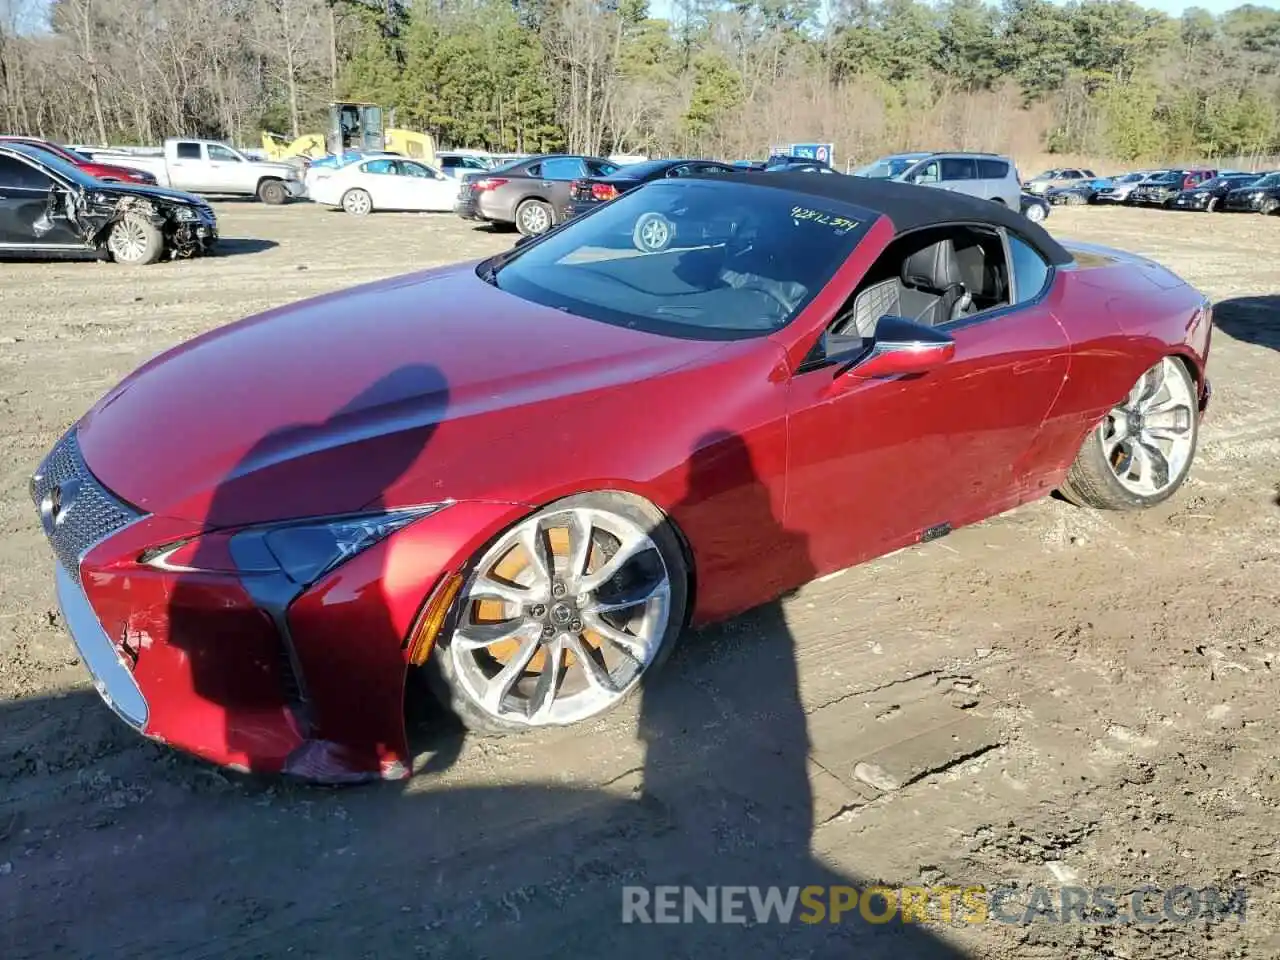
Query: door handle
x=547, y=183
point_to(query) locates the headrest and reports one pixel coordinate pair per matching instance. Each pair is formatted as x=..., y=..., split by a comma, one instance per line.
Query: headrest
x=933, y=268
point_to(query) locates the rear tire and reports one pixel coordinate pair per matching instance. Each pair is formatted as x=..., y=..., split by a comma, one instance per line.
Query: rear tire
x=1141, y=452
x=487, y=636
x=357, y=202
x=534, y=218
x=135, y=241
x=272, y=192
x=1269, y=207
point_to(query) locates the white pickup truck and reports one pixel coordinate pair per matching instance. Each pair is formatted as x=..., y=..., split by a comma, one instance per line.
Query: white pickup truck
x=212, y=168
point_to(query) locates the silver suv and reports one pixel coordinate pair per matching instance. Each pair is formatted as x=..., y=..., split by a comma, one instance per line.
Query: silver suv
x=985, y=175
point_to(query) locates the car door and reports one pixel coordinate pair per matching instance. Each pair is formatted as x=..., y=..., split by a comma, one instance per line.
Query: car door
x=378, y=177
x=876, y=463
x=33, y=208
x=960, y=175
x=425, y=188
x=227, y=171
x=188, y=168
x=556, y=174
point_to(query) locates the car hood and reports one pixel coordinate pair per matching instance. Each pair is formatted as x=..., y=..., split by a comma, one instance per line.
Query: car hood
x=322, y=406
x=111, y=169
x=147, y=191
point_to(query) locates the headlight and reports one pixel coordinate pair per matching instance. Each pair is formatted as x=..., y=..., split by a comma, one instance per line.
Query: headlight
x=186, y=214
x=303, y=550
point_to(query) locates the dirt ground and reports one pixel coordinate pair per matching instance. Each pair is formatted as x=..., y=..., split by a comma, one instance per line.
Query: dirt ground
x=1053, y=698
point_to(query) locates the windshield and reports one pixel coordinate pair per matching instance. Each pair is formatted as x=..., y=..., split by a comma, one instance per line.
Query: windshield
x=696, y=259
x=1047, y=175
x=1174, y=177
x=1131, y=178
x=1270, y=180
x=886, y=168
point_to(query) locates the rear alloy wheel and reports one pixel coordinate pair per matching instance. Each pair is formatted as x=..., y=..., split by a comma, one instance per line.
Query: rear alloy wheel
x=1270, y=206
x=1212, y=205
x=1035, y=213
x=135, y=241
x=1142, y=451
x=357, y=202
x=561, y=617
x=534, y=218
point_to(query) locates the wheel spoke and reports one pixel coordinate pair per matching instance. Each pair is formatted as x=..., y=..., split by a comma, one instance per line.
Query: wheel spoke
x=579, y=546
x=629, y=549
x=477, y=636
x=632, y=597
x=500, y=685
x=634, y=647
x=487, y=587
x=531, y=538
x=544, y=693
x=596, y=675
x=1155, y=468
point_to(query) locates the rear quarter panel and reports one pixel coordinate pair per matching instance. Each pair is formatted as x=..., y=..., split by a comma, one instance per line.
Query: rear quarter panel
x=1122, y=313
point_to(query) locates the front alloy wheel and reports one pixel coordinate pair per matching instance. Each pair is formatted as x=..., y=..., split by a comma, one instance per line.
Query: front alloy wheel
x=1035, y=213
x=563, y=614
x=1142, y=450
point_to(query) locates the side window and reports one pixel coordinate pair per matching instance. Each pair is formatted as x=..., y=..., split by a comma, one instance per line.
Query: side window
x=384, y=165
x=23, y=176
x=562, y=168
x=711, y=168
x=992, y=169
x=1029, y=270
x=450, y=162
x=222, y=154
x=958, y=168
x=534, y=171
x=471, y=163
x=926, y=173
x=684, y=170
x=599, y=168
x=410, y=169
x=188, y=151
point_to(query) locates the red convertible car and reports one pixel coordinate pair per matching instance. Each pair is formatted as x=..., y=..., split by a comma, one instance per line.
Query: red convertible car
x=528, y=475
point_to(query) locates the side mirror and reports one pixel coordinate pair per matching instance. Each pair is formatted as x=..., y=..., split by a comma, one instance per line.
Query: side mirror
x=902, y=347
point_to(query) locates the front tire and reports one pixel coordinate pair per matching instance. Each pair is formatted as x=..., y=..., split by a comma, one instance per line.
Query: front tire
x=562, y=615
x=272, y=192
x=357, y=202
x=1141, y=452
x=534, y=218
x=1212, y=205
x=1035, y=213
x=1269, y=207
x=135, y=241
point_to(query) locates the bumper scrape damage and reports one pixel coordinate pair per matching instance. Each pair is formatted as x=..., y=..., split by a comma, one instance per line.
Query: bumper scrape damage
x=206, y=641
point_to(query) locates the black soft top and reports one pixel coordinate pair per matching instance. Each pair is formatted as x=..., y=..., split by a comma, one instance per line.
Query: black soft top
x=908, y=206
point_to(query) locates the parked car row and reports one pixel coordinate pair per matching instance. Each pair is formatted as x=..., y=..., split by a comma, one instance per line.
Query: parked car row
x=1199, y=189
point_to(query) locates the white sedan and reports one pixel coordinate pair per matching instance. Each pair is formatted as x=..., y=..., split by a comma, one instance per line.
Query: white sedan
x=383, y=183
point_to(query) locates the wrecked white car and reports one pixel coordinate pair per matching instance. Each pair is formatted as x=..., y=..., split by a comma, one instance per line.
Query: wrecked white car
x=49, y=208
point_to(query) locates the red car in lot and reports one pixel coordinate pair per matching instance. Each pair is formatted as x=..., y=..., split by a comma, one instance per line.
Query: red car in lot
x=528, y=475
x=109, y=172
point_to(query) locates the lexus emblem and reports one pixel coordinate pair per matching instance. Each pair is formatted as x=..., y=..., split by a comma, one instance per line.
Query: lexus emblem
x=56, y=503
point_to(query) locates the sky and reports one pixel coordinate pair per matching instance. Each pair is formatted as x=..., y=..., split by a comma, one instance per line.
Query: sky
x=662, y=8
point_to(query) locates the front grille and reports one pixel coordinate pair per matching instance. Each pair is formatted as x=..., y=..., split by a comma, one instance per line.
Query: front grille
x=75, y=509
